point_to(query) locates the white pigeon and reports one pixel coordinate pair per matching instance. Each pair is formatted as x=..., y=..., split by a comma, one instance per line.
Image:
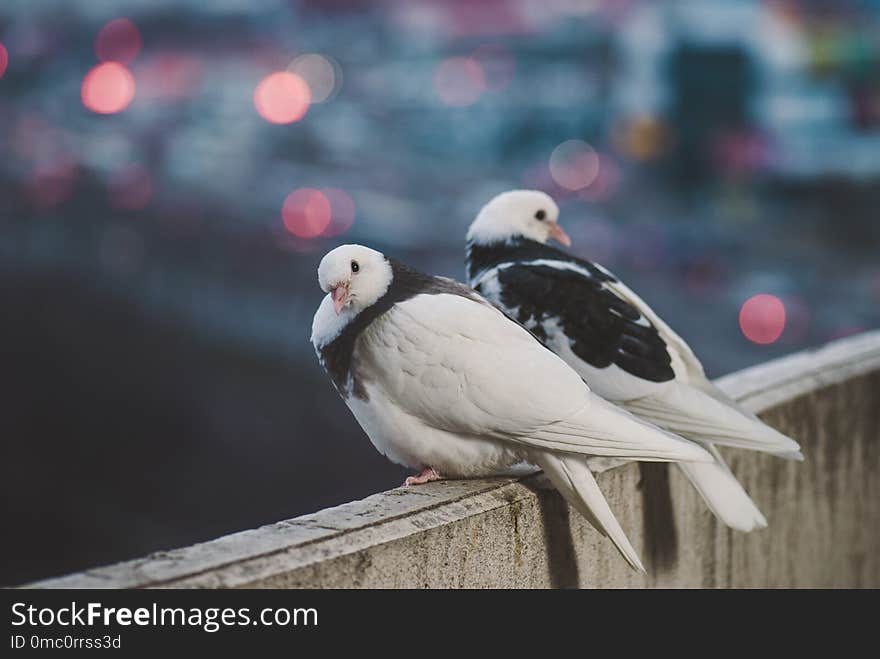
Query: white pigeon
x=444, y=383
x=614, y=341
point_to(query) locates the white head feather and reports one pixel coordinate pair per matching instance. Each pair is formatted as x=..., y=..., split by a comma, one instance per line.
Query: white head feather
x=365, y=274
x=528, y=214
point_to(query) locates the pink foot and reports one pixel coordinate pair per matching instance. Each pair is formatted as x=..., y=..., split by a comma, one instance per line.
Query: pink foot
x=426, y=476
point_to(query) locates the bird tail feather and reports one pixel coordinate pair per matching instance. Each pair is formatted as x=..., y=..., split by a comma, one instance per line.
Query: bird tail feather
x=701, y=416
x=574, y=480
x=723, y=493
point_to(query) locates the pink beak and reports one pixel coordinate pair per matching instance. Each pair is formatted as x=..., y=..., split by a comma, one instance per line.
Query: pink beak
x=557, y=234
x=340, y=297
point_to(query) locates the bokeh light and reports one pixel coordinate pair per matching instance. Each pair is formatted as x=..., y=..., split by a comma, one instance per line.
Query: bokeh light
x=762, y=318
x=642, y=138
x=131, y=188
x=322, y=74
x=4, y=59
x=118, y=41
x=282, y=97
x=306, y=213
x=108, y=88
x=342, y=212
x=574, y=165
x=459, y=81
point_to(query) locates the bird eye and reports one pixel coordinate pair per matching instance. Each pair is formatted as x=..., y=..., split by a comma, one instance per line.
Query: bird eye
x=540, y=215
x=355, y=267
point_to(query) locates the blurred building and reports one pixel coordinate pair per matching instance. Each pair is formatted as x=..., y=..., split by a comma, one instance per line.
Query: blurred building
x=789, y=88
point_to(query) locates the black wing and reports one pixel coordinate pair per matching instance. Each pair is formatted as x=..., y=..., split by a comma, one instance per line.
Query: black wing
x=603, y=328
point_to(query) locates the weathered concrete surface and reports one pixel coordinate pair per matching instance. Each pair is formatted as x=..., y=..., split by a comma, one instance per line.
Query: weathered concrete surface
x=824, y=514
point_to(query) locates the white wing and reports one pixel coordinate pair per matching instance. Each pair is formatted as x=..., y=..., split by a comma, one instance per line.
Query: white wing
x=463, y=367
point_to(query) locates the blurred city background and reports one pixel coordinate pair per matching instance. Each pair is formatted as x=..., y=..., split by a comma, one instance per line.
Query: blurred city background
x=171, y=172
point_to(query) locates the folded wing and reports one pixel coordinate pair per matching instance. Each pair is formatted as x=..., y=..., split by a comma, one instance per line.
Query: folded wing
x=461, y=366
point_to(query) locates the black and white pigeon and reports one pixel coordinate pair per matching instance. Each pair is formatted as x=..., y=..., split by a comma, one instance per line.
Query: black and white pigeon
x=614, y=341
x=444, y=383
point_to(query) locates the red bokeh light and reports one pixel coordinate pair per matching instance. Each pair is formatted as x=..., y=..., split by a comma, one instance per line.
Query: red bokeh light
x=459, y=81
x=118, y=41
x=131, y=188
x=306, y=213
x=4, y=59
x=762, y=318
x=342, y=212
x=108, y=88
x=282, y=98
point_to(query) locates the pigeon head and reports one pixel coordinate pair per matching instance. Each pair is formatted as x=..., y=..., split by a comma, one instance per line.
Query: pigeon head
x=355, y=277
x=529, y=214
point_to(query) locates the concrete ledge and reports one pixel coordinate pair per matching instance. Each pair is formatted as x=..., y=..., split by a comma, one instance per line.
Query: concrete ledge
x=824, y=514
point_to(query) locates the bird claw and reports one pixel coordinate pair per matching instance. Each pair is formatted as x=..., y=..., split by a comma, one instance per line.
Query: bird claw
x=424, y=476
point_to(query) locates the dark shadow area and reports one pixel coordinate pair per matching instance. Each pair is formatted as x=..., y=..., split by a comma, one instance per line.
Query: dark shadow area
x=658, y=519
x=557, y=537
x=122, y=435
